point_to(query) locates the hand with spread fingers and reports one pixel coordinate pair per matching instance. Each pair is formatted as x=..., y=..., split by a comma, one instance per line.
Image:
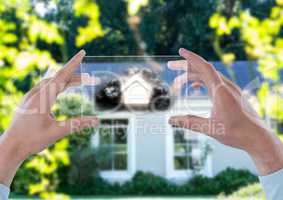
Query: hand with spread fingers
x=33, y=127
x=232, y=122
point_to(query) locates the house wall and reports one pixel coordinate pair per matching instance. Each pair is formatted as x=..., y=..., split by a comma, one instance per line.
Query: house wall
x=152, y=145
x=223, y=156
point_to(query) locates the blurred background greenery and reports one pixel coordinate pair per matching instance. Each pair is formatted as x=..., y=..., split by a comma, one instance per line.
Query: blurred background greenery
x=37, y=34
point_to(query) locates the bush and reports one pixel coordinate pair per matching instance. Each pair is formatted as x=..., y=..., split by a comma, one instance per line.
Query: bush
x=24, y=175
x=232, y=179
x=225, y=182
x=251, y=191
x=82, y=178
x=199, y=185
x=144, y=183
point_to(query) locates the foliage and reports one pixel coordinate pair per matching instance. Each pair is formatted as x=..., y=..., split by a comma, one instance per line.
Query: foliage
x=23, y=176
x=93, y=29
x=165, y=26
x=225, y=182
x=145, y=183
x=232, y=179
x=135, y=5
x=22, y=59
x=46, y=163
x=168, y=25
x=262, y=41
x=55, y=158
x=74, y=105
x=253, y=191
x=19, y=57
x=82, y=177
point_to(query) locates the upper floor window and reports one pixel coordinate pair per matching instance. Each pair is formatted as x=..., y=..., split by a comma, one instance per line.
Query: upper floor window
x=113, y=144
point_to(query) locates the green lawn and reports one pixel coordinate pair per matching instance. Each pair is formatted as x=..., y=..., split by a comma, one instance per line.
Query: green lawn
x=128, y=198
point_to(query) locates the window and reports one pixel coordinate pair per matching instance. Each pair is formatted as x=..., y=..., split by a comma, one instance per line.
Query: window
x=186, y=150
x=113, y=144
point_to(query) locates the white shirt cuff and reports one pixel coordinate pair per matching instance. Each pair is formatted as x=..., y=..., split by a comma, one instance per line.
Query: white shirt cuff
x=4, y=192
x=273, y=185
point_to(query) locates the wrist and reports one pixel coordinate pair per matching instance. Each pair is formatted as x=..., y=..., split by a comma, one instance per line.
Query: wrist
x=10, y=160
x=266, y=152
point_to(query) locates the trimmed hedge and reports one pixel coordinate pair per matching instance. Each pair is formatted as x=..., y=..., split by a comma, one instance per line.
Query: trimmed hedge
x=144, y=183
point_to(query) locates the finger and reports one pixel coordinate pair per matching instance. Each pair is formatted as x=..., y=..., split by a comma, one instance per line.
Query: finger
x=73, y=125
x=181, y=65
x=65, y=74
x=50, y=91
x=178, y=65
x=206, y=71
x=236, y=90
x=197, y=85
x=194, y=123
x=83, y=79
x=36, y=88
x=76, y=80
x=232, y=86
x=181, y=80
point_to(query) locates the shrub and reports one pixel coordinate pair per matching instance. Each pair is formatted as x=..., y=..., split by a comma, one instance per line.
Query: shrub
x=232, y=179
x=24, y=175
x=225, y=182
x=199, y=185
x=144, y=183
x=253, y=190
x=82, y=176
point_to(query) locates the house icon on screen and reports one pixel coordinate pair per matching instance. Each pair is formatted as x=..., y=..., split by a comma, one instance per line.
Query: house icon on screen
x=136, y=91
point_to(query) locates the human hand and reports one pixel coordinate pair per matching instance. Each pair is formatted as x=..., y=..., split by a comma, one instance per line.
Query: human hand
x=33, y=127
x=232, y=122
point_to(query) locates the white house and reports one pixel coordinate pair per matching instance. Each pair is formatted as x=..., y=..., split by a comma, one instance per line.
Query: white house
x=144, y=141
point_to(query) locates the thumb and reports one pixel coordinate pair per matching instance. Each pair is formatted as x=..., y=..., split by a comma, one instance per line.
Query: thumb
x=192, y=122
x=64, y=128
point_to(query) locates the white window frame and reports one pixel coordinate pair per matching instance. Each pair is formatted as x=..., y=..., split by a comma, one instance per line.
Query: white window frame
x=121, y=175
x=171, y=172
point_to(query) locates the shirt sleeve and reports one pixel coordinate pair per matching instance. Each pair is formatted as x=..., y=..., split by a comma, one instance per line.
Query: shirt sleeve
x=4, y=192
x=273, y=185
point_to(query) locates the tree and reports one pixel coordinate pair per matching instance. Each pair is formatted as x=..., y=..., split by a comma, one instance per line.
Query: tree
x=24, y=36
x=262, y=41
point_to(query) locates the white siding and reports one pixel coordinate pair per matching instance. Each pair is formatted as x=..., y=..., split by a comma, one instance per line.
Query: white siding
x=224, y=156
x=150, y=143
x=150, y=147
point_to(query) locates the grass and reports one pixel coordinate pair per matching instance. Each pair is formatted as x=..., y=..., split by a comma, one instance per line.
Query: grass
x=126, y=198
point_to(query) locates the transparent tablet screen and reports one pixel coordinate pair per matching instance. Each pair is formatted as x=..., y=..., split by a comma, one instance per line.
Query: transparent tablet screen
x=130, y=83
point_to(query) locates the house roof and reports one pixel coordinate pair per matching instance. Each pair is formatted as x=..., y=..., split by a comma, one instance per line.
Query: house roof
x=244, y=71
x=137, y=78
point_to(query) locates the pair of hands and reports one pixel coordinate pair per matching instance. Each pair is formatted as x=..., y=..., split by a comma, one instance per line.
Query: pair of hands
x=30, y=133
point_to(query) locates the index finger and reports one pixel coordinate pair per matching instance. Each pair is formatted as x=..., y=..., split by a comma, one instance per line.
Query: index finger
x=50, y=90
x=206, y=71
x=178, y=65
x=65, y=74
